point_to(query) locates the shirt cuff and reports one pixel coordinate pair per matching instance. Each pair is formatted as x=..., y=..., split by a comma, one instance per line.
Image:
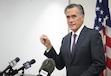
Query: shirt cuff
x=47, y=50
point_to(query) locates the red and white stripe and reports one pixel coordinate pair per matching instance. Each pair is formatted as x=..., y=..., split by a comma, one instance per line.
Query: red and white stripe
x=106, y=36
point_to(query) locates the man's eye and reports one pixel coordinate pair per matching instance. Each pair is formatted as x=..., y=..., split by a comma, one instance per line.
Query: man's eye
x=68, y=17
x=73, y=16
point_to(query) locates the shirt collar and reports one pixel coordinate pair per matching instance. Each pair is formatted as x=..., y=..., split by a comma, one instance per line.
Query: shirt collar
x=78, y=31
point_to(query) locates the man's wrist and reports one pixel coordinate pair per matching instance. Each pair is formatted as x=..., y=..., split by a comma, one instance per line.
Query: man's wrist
x=48, y=49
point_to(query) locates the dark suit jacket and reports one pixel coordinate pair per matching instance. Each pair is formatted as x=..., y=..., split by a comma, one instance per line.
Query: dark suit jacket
x=88, y=59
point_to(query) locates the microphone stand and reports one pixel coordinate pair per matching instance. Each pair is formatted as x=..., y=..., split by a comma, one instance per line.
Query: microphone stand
x=22, y=72
x=9, y=72
x=1, y=74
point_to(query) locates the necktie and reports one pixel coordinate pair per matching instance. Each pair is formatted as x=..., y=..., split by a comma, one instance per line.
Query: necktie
x=73, y=45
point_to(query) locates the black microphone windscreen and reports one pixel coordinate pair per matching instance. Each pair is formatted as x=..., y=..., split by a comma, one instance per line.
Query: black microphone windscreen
x=48, y=65
x=17, y=59
x=32, y=61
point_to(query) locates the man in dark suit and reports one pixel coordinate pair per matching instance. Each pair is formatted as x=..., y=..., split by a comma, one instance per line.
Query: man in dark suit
x=88, y=58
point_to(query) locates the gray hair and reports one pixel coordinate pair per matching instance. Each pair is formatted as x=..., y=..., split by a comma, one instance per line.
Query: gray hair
x=80, y=7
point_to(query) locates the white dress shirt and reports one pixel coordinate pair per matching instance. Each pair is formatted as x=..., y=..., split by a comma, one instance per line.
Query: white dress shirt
x=77, y=35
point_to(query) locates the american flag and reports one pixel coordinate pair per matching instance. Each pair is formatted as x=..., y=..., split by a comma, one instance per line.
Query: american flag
x=103, y=25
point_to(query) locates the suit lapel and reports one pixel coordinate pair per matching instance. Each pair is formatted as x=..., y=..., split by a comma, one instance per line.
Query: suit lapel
x=79, y=41
x=69, y=42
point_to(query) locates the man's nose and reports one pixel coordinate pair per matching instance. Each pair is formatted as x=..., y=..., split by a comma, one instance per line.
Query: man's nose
x=71, y=20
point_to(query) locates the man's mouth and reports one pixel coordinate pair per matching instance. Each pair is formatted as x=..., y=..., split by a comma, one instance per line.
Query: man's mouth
x=72, y=24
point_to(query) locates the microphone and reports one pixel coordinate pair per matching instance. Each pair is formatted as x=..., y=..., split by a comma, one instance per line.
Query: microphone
x=14, y=62
x=26, y=65
x=47, y=67
x=11, y=64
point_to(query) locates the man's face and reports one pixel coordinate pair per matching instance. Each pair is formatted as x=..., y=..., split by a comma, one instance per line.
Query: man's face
x=74, y=18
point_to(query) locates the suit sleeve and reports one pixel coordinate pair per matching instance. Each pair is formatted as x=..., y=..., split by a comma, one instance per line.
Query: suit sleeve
x=98, y=57
x=58, y=58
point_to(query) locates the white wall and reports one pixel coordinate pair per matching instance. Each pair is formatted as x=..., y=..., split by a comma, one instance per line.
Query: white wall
x=89, y=7
x=22, y=22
